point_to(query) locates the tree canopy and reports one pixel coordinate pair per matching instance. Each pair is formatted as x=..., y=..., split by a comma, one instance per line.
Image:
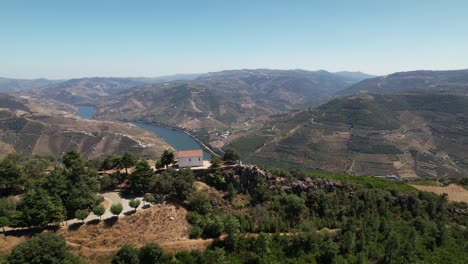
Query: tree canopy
x=43, y=248
x=167, y=157
x=231, y=155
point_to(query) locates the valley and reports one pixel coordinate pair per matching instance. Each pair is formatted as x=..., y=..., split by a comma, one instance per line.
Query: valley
x=35, y=126
x=401, y=128
x=233, y=132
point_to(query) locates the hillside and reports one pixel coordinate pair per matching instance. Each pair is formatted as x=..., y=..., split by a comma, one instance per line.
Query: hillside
x=453, y=82
x=221, y=99
x=86, y=90
x=17, y=85
x=32, y=126
x=409, y=135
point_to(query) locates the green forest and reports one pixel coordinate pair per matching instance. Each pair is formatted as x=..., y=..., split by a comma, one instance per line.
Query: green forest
x=274, y=216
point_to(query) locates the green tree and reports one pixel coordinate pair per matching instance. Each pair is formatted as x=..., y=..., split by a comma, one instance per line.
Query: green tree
x=7, y=206
x=231, y=155
x=167, y=158
x=12, y=177
x=200, y=203
x=141, y=178
x=111, y=162
x=116, y=209
x=294, y=207
x=214, y=226
x=151, y=253
x=81, y=214
x=40, y=209
x=108, y=182
x=158, y=165
x=4, y=221
x=43, y=248
x=99, y=211
x=127, y=254
x=128, y=160
x=76, y=184
x=149, y=198
x=134, y=203
x=263, y=245
x=175, y=184
x=215, y=162
x=164, y=184
x=231, y=192
x=71, y=158
x=35, y=167
x=231, y=225
x=183, y=183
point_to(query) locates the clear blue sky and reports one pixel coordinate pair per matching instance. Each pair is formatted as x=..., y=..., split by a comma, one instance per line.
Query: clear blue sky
x=76, y=38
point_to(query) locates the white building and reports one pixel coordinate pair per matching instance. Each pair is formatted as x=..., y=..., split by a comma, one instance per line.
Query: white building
x=190, y=158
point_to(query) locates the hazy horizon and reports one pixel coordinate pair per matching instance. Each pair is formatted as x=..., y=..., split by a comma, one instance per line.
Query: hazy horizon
x=63, y=40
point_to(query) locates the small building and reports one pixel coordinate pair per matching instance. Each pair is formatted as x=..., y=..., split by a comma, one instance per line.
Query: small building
x=190, y=158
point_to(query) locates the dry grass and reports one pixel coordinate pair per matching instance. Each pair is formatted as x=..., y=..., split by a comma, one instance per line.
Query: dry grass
x=163, y=224
x=455, y=192
x=152, y=224
x=8, y=242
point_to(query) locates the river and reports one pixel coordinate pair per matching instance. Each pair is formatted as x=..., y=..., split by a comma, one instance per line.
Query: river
x=177, y=139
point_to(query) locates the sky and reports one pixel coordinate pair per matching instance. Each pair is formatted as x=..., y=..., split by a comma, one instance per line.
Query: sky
x=70, y=39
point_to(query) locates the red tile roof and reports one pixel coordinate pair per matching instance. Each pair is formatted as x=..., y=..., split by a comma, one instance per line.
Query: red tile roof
x=189, y=153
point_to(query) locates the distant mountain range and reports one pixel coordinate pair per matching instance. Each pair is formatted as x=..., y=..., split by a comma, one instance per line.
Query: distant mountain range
x=220, y=99
x=453, y=82
x=315, y=86
x=85, y=90
x=16, y=85
x=407, y=123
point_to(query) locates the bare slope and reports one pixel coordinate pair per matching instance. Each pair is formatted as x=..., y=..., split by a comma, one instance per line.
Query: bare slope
x=36, y=126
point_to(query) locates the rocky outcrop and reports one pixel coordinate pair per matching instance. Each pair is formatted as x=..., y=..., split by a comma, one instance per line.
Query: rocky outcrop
x=247, y=177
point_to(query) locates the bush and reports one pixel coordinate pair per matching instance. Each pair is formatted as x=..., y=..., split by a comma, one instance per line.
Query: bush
x=216, y=180
x=81, y=214
x=43, y=248
x=213, y=228
x=194, y=218
x=99, y=210
x=195, y=232
x=200, y=203
x=134, y=203
x=149, y=198
x=231, y=155
x=215, y=162
x=116, y=209
x=128, y=254
x=150, y=253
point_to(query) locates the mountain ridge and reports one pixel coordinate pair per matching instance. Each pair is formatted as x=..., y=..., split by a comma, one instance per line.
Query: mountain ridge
x=453, y=81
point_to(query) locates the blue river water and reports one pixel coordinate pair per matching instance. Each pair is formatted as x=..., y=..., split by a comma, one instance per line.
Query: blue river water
x=86, y=111
x=177, y=139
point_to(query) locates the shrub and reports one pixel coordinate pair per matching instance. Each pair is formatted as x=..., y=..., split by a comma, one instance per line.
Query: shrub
x=116, y=209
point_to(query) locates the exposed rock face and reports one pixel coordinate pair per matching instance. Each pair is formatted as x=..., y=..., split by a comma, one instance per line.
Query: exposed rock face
x=311, y=184
x=247, y=177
